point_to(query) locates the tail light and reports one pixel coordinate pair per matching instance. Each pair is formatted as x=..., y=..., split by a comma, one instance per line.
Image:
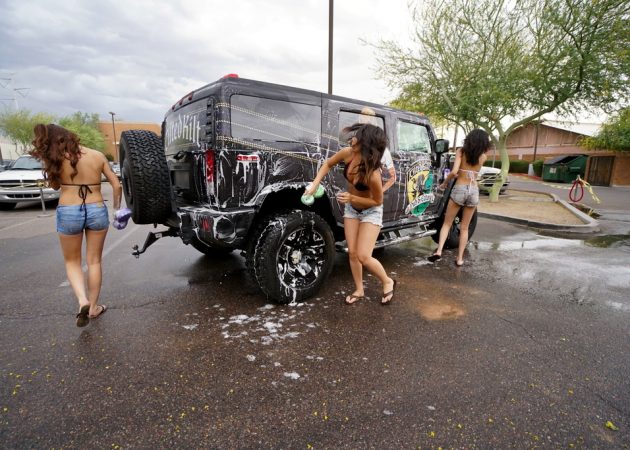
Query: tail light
x=210, y=166
x=247, y=158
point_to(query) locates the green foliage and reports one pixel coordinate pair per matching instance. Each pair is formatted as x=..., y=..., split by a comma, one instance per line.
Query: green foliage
x=86, y=127
x=614, y=135
x=483, y=63
x=519, y=166
x=18, y=126
x=538, y=167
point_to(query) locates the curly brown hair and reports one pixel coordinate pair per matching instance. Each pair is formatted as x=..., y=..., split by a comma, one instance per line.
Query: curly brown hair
x=53, y=144
x=373, y=141
x=476, y=143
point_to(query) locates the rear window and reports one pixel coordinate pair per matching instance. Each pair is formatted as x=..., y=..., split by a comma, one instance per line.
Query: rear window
x=263, y=119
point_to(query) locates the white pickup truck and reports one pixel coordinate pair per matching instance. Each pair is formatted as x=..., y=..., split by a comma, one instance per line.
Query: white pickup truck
x=487, y=177
x=21, y=183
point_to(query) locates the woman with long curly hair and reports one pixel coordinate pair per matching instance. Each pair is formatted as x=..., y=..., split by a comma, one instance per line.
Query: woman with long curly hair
x=363, y=213
x=77, y=172
x=465, y=192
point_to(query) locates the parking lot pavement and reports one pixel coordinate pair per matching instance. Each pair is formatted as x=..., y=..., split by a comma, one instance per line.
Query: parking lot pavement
x=526, y=345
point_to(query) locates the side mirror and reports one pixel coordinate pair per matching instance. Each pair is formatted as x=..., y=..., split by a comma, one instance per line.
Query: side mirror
x=441, y=146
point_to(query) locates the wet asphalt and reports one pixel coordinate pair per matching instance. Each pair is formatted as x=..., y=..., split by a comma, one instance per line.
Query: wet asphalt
x=526, y=346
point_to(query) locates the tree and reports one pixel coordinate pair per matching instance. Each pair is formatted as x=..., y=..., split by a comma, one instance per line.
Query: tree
x=18, y=126
x=501, y=64
x=85, y=126
x=614, y=134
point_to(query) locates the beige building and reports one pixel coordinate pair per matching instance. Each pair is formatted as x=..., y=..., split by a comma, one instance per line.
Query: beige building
x=112, y=139
x=550, y=138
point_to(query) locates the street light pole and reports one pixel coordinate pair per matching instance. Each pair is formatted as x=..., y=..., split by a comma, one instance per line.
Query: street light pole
x=330, y=45
x=114, y=131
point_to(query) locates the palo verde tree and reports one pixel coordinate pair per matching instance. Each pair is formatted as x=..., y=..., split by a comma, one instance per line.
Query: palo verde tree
x=18, y=126
x=501, y=64
x=614, y=134
x=85, y=126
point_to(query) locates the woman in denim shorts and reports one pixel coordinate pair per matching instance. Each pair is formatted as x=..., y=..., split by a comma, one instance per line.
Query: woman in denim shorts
x=363, y=215
x=465, y=193
x=77, y=172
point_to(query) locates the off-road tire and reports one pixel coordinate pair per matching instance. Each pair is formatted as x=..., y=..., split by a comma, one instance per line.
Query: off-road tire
x=209, y=250
x=145, y=178
x=293, y=255
x=452, y=241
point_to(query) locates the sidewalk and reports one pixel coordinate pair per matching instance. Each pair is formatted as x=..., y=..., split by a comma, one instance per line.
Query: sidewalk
x=537, y=210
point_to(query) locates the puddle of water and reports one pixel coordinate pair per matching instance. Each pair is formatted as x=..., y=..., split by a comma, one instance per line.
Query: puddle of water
x=529, y=244
x=440, y=311
x=610, y=241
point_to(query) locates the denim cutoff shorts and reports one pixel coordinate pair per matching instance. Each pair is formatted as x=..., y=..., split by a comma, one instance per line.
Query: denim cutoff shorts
x=465, y=194
x=372, y=215
x=73, y=219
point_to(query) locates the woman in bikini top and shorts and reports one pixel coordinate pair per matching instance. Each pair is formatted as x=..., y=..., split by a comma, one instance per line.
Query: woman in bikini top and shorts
x=363, y=204
x=77, y=172
x=465, y=192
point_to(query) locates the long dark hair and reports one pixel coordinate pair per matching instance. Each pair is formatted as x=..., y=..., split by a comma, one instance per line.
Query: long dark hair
x=53, y=144
x=476, y=143
x=373, y=141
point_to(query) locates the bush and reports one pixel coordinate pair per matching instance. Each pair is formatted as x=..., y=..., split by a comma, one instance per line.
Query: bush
x=538, y=167
x=519, y=166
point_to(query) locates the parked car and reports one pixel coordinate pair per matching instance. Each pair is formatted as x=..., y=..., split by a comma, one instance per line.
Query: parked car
x=488, y=176
x=5, y=164
x=234, y=159
x=116, y=169
x=21, y=183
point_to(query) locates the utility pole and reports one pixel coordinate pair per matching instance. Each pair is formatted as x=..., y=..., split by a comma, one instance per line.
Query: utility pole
x=331, y=7
x=114, y=131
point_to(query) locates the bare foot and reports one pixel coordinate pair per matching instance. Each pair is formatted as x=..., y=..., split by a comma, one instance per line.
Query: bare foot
x=459, y=262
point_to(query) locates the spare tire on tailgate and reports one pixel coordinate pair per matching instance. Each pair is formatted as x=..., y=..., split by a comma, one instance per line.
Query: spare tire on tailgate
x=145, y=177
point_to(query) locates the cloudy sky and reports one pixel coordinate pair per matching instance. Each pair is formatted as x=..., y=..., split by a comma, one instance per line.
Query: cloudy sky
x=137, y=57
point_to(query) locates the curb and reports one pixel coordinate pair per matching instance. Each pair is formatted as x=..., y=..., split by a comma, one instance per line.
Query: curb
x=590, y=225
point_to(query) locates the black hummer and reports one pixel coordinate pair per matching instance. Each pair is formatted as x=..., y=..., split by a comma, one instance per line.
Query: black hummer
x=234, y=159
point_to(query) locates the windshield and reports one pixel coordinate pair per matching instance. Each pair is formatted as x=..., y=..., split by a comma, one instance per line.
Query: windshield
x=26, y=163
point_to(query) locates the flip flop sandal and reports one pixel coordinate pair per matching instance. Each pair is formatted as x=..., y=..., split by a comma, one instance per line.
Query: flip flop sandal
x=434, y=258
x=351, y=299
x=385, y=300
x=102, y=311
x=83, y=317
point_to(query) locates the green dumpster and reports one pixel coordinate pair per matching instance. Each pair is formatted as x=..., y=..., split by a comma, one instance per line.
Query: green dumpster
x=564, y=169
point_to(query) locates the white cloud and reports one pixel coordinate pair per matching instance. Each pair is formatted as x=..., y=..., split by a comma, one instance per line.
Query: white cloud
x=138, y=57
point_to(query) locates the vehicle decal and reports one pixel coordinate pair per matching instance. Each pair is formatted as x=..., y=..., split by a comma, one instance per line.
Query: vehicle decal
x=419, y=187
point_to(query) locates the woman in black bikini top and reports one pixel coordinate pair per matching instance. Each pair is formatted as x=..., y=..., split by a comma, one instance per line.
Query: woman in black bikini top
x=358, y=186
x=363, y=204
x=81, y=212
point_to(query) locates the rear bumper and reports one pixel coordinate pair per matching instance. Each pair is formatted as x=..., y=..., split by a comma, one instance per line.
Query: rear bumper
x=227, y=229
x=27, y=195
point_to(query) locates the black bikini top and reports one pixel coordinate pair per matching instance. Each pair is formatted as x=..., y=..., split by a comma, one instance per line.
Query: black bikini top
x=358, y=186
x=84, y=189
